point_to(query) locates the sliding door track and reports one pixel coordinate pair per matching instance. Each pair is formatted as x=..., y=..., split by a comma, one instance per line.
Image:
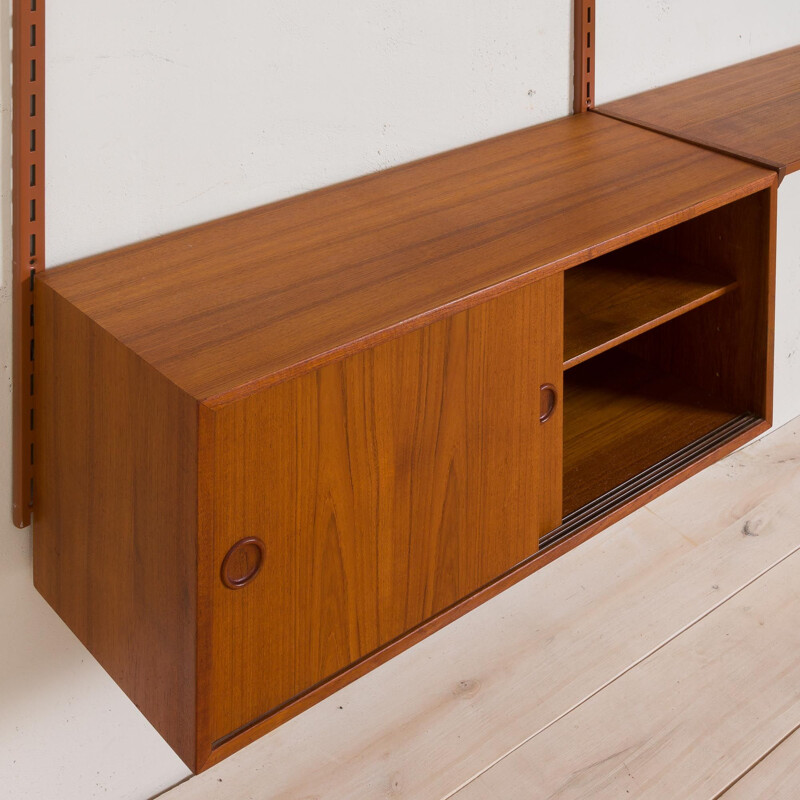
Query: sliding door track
x=651, y=477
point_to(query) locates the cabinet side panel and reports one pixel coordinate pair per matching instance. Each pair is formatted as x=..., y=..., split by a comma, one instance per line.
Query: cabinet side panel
x=115, y=512
x=386, y=487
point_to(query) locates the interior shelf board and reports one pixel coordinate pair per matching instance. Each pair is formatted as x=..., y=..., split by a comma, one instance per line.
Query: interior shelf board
x=750, y=109
x=623, y=294
x=621, y=417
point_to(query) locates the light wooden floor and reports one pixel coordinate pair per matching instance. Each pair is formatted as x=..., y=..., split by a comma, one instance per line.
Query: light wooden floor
x=661, y=659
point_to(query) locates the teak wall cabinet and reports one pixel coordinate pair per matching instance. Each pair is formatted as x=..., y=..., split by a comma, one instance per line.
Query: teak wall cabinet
x=275, y=449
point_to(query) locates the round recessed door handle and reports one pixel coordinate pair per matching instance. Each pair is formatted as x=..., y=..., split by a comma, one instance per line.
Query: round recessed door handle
x=548, y=399
x=243, y=562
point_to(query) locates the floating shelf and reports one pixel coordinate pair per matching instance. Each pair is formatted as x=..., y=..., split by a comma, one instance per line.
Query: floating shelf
x=273, y=292
x=750, y=110
x=625, y=293
x=622, y=416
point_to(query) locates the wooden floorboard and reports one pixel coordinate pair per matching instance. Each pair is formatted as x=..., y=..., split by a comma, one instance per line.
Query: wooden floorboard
x=775, y=777
x=684, y=723
x=426, y=723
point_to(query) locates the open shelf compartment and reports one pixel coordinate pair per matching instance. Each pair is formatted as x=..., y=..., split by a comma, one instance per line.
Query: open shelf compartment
x=667, y=347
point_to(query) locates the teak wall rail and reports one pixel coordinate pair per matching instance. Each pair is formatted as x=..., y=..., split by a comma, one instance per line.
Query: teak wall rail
x=583, y=46
x=28, y=143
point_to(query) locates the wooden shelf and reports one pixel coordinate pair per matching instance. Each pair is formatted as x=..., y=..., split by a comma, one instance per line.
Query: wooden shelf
x=751, y=110
x=628, y=292
x=621, y=416
x=244, y=302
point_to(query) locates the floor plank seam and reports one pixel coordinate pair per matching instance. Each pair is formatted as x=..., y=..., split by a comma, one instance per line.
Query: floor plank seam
x=165, y=792
x=720, y=795
x=667, y=523
x=633, y=665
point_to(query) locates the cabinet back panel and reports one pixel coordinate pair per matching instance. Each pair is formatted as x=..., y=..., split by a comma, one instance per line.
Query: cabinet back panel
x=726, y=347
x=386, y=486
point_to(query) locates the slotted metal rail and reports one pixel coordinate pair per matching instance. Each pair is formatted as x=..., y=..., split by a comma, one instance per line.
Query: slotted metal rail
x=583, y=50
x=28, y=234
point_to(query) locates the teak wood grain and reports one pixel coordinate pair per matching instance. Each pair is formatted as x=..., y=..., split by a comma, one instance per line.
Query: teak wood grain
x=243, y=302
x=114, y=535
x=751, y=110
x=622, y=294
x=388, y=486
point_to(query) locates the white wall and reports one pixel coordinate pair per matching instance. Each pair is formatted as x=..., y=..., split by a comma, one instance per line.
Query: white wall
x=163, y=113
x=646, y=43
x=787, y=303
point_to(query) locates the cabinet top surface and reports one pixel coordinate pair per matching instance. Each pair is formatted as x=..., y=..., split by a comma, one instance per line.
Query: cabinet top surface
x=752, y=108
x=234, y=305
